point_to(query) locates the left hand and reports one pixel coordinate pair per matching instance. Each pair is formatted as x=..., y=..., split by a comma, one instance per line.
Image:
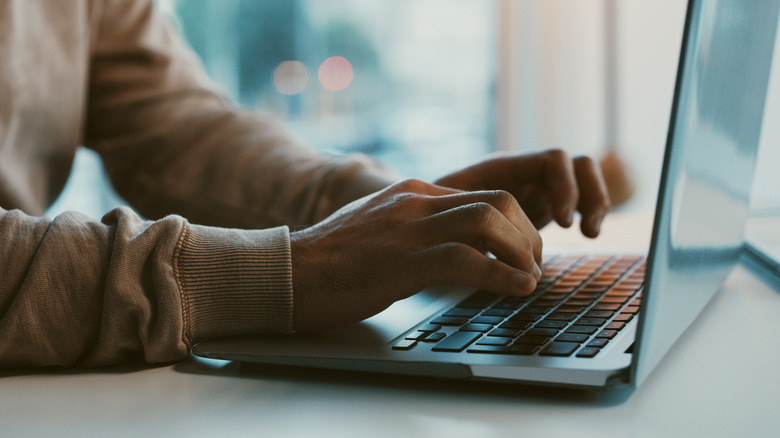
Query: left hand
x=547, y=185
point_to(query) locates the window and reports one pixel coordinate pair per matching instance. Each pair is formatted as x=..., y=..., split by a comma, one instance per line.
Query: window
x=409, y=82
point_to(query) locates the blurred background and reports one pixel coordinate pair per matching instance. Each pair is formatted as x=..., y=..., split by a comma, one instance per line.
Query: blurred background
x=428, y=86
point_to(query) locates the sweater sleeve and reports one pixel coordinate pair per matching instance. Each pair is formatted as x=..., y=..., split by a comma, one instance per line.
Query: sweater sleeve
x=172, y=144
x=84, y=293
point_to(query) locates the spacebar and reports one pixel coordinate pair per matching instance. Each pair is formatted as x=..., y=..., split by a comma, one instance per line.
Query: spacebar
x=457, y=341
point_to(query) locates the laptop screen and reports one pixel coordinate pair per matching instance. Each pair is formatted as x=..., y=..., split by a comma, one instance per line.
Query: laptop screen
x=703, y=200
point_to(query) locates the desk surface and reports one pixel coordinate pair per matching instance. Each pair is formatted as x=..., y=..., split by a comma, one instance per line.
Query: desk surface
x=721, y=379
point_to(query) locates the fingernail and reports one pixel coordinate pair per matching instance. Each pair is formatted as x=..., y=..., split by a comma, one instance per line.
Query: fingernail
x=537, y=272
x=525, y=283
x=596, y=224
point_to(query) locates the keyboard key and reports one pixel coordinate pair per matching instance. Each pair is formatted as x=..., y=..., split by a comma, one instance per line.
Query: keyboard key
x=584, y=329
x=524, y=316
x=534, y=310
x=631, y=309
x=504, y=332
x=613, y=299
x=558, y=316
x=606, y=306
x=624, y=317
x=551, y=324
x=405, y=344
x=565, y=308
x=560, y=349
x=434, y=337
x=496, y=312
x=510, y=305
x=487, y=320
x=495, y=349
x=544, y=304
x=517, y=325
x=476, y=328
x=429, y=327
x=616, y=292
x=569, y=283
x=532, y=339
x=457, y=311
x=560, y=289
x=591, y=321
x=615, y=325
x=417, y=336
x=572, y=337
x=450, y=320
x=542, y=332
x=605, y=283
x=608, y=334
x=588, y=352
x=599, y=314
x=510, y=349
x=521, y=349
x=598, y=343
x=492, y=340
x=457, y=341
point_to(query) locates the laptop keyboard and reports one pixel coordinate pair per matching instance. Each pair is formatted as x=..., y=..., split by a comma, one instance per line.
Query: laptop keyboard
x=580, y=304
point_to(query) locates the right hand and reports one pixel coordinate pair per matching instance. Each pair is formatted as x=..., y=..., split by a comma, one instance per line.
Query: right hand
x=396, y=242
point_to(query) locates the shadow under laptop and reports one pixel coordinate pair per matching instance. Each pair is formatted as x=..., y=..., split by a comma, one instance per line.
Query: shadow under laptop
x=318, y=378
x=129, y=367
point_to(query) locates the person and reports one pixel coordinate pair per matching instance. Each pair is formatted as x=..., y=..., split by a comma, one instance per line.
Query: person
x=113, y=75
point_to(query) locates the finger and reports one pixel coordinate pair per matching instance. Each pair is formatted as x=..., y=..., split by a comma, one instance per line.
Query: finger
x=594, y=200
x=499, y=199
x=482, y=226
x=561, y=183
x=456, y=263
x=540, y=214
x=421, y=187
x=552, y=169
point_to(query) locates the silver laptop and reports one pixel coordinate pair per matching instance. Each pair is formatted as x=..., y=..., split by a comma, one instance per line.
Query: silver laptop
x=597, y=321
x=762, y=244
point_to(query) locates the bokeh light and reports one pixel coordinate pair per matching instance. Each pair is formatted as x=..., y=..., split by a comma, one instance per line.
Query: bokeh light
x=335, y=73
x=290, y=77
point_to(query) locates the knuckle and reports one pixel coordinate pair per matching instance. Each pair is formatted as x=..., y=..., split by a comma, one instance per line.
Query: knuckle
x=585, y=161
x=557, y=155
x=503, y=200
x=482, y=212
x=411, y=185
x=406, y=199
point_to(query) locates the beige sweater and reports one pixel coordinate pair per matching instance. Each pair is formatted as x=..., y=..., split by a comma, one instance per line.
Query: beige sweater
x=113, y=76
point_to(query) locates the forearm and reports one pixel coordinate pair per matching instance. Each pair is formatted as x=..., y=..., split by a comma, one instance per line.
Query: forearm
x=174, y=145
x=78, y=292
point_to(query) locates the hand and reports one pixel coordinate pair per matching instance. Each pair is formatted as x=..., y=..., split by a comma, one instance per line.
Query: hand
x=411, y=235
x=547, y=185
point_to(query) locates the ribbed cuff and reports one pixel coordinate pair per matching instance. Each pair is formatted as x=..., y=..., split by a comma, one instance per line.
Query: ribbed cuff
x=234, y=281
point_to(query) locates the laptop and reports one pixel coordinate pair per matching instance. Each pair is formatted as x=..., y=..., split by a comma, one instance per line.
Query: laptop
x=603, y=320
x=762, y=244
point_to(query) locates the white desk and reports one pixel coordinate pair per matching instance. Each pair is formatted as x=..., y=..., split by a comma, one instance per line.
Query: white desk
x=700, y=389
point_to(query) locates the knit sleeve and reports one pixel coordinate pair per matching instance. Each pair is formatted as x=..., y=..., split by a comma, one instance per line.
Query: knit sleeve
x=86, y=293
